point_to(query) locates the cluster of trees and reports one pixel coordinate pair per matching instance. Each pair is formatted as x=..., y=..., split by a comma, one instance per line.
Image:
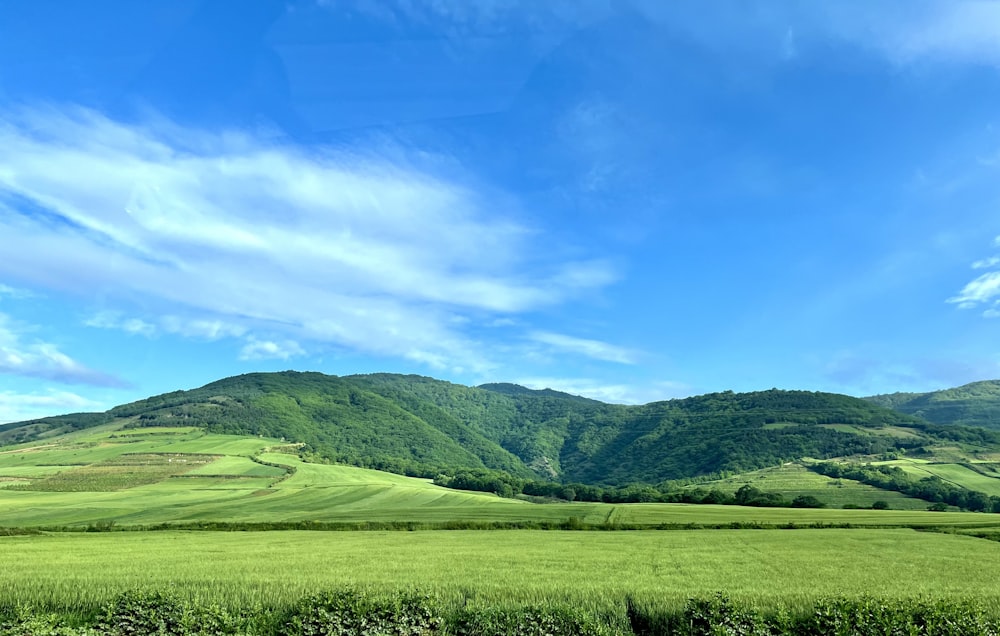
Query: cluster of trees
x=506, y=485
x=932, y=489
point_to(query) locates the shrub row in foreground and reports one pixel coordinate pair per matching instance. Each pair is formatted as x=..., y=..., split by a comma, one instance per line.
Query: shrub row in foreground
x=356, y=613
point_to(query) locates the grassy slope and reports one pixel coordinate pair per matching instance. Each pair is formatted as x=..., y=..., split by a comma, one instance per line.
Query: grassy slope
x=235, y=489
x=975, y=404
x=793, y=480
x=974, y=476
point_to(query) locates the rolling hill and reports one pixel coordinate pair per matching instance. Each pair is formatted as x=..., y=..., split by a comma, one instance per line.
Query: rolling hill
x=975, y=404
x=185, y=477
x=421, y=426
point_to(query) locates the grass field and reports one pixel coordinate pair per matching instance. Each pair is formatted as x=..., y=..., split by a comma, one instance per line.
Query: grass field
x=130, y=478
x=586, y=569
x=794, y=480
x=983, y=478
x=108, y=478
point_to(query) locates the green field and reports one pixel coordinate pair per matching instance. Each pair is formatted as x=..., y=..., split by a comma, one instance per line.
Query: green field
x=107, y=479
x=983, y=477
x=793, y=480
x=153, y=476
x=585, y=569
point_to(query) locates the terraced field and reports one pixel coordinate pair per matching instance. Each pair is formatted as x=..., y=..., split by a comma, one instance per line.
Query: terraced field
x=794, y=480
x=981, y=476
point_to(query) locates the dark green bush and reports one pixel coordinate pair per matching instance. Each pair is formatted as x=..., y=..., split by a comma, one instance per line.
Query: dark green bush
x=523, y=622
x=356, y=613
x=878, y=617
x=140, y=613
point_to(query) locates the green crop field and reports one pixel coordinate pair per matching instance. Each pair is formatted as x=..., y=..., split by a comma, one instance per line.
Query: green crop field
x=111, y=479
x=595, y=570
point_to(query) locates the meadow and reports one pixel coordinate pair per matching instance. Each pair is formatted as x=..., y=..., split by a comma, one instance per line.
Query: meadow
x=153, y=476
x=594, y=572
x=780, y=560
x=979, y=475
x=794, y=480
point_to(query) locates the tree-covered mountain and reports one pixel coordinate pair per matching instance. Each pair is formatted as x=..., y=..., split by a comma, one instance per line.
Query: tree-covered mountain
x=422, y=426
x=975, y=404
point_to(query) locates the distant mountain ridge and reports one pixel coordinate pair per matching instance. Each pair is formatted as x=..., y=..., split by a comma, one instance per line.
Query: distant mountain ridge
x=418, y=425
x=974, y=404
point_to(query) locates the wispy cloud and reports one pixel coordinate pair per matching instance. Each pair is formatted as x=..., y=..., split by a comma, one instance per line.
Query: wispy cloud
x=981, y=290
x=270, y=350
x=595, y=349
x=903, y=31
x=984, y=291
x=376, y=255
x=986, y=263
x=13, y=292
x=34, y=358
x=17, y=407
x=115, y=320
x=618, y=393
x=202, y=328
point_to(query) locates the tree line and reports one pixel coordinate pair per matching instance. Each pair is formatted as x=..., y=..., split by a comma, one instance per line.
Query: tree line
x=506, y=485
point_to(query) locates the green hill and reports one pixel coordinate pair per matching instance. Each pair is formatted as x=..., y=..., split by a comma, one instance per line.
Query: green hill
x=421, y=426
x=975, y=404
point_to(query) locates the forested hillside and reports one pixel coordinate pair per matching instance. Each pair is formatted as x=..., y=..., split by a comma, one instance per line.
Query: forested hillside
x=975, y=404
x=422, y=426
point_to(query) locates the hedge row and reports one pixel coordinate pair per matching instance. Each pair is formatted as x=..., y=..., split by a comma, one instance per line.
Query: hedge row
x=357, y=613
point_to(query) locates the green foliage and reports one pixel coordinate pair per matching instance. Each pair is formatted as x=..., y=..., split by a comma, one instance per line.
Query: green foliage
x=808, y=501
x=423, y=427
x=349, y=612
x=976, y=404
x=931, y=488
x=138, y=613
x=524, y=621
x=355, y=613
x=847, y=617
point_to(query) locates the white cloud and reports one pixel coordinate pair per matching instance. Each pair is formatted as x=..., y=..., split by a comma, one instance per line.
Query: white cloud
x=581, y=346
x=39, y=359
x=202, y=328
x=114, y=320
x=986, y=263
x=17, y=407
x=270, y=350
x=982, y=290
x=610, y=392
x=234, y=233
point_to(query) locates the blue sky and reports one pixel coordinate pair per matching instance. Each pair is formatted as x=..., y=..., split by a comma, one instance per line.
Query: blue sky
x=630, y=200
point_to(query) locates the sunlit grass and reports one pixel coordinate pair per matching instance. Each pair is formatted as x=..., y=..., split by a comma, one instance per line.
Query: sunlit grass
x=764, y=567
